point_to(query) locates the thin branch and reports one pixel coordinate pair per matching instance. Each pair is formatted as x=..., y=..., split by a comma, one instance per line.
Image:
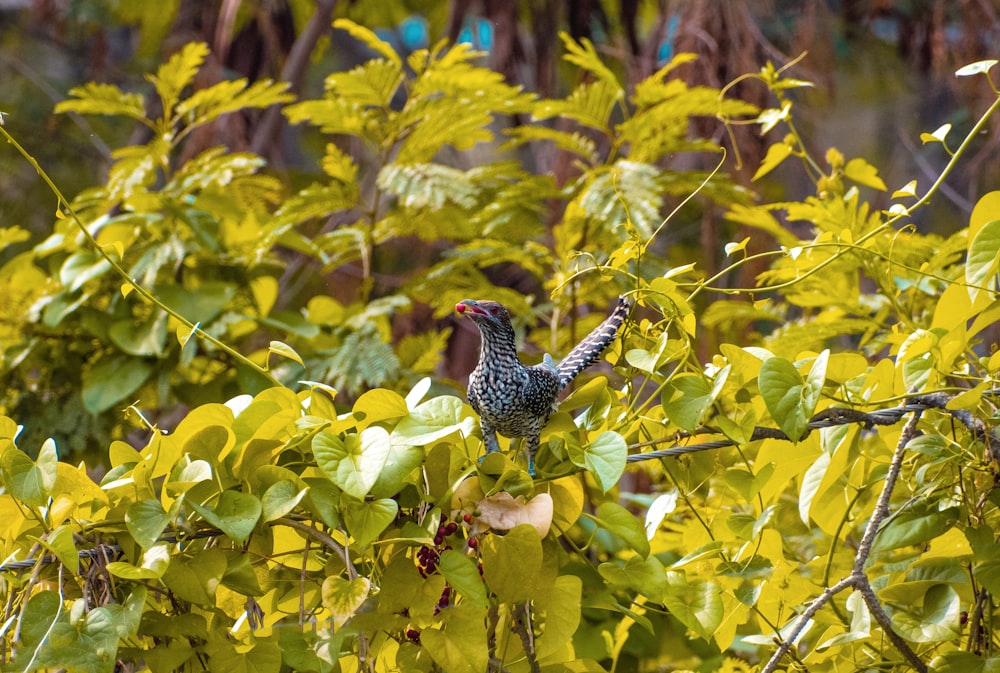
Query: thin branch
x=828, y=418
x=857, y=579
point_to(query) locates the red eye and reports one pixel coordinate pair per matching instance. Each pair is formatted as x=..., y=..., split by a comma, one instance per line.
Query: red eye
x=494, y=310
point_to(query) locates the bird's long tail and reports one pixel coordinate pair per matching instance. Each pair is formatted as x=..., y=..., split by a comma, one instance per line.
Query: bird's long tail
x=589, y=350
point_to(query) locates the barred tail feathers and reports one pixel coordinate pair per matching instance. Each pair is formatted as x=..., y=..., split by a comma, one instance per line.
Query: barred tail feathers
x=589, y=350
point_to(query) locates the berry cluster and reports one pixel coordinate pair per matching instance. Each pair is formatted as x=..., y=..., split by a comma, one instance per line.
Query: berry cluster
x=429, y=557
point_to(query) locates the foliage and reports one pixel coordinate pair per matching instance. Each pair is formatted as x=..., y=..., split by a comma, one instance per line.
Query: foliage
x=278, y=531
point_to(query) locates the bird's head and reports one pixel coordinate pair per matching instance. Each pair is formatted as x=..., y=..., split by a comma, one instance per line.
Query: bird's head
x=489, y=315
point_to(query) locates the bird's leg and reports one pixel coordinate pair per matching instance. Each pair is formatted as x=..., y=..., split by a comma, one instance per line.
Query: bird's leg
x=531, y=448
x=489, y=436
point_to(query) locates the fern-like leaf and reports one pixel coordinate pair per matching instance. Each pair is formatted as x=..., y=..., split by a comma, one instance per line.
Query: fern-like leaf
x=577, y=143
x=373, y=83
x=370, y=39
x=428, y=185
x=178, y=72
x=339, y=165
x=208, y=104
x=212, y=168
x=421, y=353
x=583, y=55
x=103, y=99
x=628, y=191
x=318, y=200
x=334, y=115
x=590, y=104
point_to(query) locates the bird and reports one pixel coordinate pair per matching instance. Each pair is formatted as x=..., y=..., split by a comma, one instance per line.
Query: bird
x=515, y=400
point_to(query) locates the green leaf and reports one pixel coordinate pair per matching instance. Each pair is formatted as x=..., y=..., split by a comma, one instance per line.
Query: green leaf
x=60, y=542
x=936, y=620
x=698, y=605
x=366, y=520
x=112, y=380
x=29, y=481
x=618, y=520
x=145, y=520
x=511, y=562
x=343, y=597
x=155, y=561
x=463, y=576
x=146, y=338
x=431, y=421
x=686, y=400
x=355, y=461
x=604, y=457
x=964, y=662
x=280, y=499
x=914, y=528
x=460, y=647
x=235, y=514
x=984, y=256
x=196, y=578
x=646, y=576
x=789, y=399
x=201, y=305
x=81, y=267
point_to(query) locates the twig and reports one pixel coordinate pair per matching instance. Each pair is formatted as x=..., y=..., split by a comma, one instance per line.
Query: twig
x=520, y=614
x=857, y=579
x=829, y=418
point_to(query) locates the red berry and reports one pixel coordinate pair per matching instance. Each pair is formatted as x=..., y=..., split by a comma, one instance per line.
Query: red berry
x=450, y=528
x=467, y=518
x=473, y=543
